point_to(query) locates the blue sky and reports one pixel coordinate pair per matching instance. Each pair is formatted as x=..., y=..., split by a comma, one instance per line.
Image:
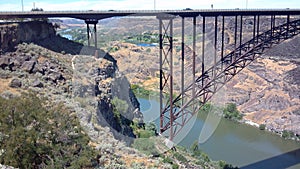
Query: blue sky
x=52, y=5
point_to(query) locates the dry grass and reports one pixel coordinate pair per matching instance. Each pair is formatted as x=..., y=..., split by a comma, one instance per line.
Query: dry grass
x=4, y=87
x=151, y=84
x=131, y=159
x=279, y=67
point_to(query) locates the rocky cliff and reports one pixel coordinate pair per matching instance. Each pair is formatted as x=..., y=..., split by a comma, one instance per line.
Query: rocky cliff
x=15, y=33
x=86, y=84
x=80, y=76
x=267, y=91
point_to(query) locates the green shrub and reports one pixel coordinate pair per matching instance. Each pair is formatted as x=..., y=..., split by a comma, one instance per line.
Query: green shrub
x=175, y=166
x=36, y=137
x=139, y=91
x=145, y=134
x=167, y=159
x=231, y=112
x=205, y=109
x=144, y=131
x=229, y=166
x=180, y=157
x=222, y=163
x=119, y=107
x=262, y=126
x=287, y=134
x=145, y=145
x=150, y=127
x=205, y=157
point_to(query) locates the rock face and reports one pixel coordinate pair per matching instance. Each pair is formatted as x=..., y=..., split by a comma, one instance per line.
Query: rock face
x=98, y=82
x=15, y=33
x=268, y=90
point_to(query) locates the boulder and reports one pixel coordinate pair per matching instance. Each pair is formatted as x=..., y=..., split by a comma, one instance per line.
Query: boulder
x=15, y=83
x=22, y=58
x=38, y=84
x=4, y=62
x=38, y=69
x=28, y=66
x=55, y=76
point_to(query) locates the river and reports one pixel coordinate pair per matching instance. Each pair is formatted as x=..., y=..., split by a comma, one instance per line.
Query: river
x=238, y=144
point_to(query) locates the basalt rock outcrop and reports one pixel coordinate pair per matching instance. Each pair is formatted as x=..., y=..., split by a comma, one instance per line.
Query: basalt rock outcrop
x=268, y=90
x=15, y=33
x=87, y=79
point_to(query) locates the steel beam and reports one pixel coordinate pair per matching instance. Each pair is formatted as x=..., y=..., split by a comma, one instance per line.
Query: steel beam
x=203, y=48
x=257, y=30
x=288, y=25
x=166, y=71
x=272, y=24
x=161, y=83
x=194, y=59
x=95, y=34
x=254, y=34
x=223, y=33
x=171, y=80
x=254, y=27
x=88, y=33
x=215, y=45
x=241, y=33
x=235, y=36
x=182, y=61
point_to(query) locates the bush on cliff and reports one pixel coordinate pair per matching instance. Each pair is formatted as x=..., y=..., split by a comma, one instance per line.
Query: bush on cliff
x=139, y=91
x=32, y=136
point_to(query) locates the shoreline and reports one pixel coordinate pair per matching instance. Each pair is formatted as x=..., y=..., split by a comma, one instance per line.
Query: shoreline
x=278, y=133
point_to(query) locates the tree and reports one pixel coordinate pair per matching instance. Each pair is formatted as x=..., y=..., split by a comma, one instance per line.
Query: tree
x=39, y=10
x=231, y=112
x=262, y=126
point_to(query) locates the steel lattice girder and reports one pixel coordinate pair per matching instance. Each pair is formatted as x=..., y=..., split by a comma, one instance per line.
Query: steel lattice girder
x=225, y=69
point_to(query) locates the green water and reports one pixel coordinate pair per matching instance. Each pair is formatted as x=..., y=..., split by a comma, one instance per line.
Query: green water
x=237, y=144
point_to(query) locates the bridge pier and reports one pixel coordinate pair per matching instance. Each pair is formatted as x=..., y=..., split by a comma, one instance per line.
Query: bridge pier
x=166, y=69
x=92, y=32
x=203, y=53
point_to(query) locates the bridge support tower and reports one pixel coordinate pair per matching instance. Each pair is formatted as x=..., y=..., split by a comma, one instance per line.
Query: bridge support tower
x=92, y=33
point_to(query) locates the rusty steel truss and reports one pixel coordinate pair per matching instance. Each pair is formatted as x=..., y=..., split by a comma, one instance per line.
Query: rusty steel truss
x=175, y=112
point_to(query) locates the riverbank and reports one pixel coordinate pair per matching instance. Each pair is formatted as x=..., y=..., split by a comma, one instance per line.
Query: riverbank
x=289, y=135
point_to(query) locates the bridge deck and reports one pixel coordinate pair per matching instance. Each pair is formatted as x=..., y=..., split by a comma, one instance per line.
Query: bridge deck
x=101, y=14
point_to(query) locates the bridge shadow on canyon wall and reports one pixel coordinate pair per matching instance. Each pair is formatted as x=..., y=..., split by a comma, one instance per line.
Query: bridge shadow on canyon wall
x=281, y=161
x=59, y=44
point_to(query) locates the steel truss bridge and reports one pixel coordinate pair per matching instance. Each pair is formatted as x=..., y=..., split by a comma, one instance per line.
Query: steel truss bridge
x=206, y=80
